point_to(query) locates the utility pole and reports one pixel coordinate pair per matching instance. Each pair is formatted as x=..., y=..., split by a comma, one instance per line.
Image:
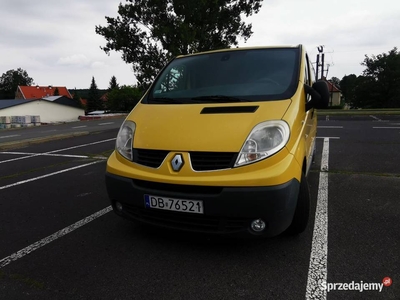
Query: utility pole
x=327, y=70
x=321, y=52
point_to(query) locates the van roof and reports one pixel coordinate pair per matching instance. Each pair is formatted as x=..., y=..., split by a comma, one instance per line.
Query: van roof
x=239, y=49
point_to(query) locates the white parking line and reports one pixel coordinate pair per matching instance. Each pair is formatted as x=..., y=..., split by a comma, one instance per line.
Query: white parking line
x=21, y=253
x=9, y=136
x=18, y=158
x=83, y=145
x=55, y=151
x=54, y=155
x=376, y=118
x=83, y=126
x=102, y=124
x=47, y=175
x=386, y=127
x=318, y=268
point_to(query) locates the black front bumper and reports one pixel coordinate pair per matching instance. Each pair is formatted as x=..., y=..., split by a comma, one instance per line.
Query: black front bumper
x=227, y=210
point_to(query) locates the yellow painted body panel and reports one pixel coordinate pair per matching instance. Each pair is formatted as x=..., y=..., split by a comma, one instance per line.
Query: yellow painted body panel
x=181, y=128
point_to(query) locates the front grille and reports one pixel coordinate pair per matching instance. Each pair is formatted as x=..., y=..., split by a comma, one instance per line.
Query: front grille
x=187, y=221
x=207, y=161
x=149, y=158
x=201, y=161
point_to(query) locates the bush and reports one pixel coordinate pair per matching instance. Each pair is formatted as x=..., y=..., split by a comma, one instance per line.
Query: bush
x=123, y=99
x=335, y=107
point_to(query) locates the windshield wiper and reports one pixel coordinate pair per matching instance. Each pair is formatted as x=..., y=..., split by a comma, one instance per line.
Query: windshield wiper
x=221, y=98
x=165, y=100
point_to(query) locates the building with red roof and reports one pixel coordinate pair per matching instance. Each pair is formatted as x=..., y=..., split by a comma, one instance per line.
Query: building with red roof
x=335, y=94
x=39, y=92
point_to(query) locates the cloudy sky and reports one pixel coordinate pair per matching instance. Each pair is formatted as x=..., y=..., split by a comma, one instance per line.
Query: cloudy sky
x=56, y=43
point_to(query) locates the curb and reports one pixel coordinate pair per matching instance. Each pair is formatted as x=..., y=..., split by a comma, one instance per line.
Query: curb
x=357, y=112
x=100, y=117
x=28, y=142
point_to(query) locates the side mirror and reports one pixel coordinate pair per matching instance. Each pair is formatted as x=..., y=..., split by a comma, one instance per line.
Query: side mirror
x=319, y=93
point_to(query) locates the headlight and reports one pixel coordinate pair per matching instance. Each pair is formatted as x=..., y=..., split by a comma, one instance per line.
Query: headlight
x=264, y=140
x=125, y=139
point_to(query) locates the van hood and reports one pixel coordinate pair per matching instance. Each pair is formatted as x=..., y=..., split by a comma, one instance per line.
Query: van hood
x=201, y=127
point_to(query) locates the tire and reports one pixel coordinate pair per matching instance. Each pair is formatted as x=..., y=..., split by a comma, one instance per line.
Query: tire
x=302, y=212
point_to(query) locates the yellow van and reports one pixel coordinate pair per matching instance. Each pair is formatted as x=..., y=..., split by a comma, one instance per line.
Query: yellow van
x=222, y=143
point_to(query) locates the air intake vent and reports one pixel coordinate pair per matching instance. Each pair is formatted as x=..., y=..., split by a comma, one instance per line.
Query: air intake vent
x=149, y=158
x=201, y=161
x=229, y=110
x=207, y=161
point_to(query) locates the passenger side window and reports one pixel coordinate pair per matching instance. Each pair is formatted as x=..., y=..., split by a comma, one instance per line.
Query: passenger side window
x=307, y=77
x=174, y=80
x=312, y=73
x=308, y=80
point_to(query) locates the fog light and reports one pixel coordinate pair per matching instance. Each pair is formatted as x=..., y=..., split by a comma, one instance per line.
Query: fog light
x=258, y=225
x=118, y=206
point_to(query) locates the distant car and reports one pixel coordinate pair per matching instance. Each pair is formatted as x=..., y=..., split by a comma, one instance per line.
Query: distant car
x=96, y=112
x=222, y=142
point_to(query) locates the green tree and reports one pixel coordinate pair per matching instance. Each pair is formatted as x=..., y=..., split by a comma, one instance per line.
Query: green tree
x=123, y=99
x=56, y=92
x=77, y=98
x=151, y=32
x=335, y=81
x=347, y=86
x=93, y=100
x=113, y=83
x=365, y=93
x=383, y=72
x=10, y=81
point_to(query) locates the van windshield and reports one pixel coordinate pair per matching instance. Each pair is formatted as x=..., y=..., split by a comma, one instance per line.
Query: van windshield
x=229, y=76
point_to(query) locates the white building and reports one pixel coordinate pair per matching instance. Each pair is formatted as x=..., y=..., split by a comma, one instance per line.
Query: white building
x=52, y=110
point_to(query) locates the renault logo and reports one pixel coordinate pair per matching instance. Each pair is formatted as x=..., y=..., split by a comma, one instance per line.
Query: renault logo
x=177, y=162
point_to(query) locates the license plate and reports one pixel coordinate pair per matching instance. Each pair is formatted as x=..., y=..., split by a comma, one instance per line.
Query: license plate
x=188, y=206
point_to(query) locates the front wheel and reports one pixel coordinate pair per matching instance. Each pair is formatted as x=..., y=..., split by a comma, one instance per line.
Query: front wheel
x=302, y=212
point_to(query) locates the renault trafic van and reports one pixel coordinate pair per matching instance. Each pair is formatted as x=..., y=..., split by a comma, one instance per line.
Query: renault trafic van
x=221, y=142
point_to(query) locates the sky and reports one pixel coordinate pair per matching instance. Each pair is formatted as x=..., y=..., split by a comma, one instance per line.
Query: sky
x=56, y=43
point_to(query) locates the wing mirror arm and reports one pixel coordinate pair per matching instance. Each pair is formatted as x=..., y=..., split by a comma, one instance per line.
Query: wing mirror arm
x=315, y=97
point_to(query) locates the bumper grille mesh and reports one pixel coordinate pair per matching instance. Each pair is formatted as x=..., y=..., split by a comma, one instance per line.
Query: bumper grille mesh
x=207, y=161
x=178, y=188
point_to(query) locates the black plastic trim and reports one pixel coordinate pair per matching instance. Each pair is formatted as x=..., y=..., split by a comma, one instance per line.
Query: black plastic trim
x=229, y=109
x=274, y=204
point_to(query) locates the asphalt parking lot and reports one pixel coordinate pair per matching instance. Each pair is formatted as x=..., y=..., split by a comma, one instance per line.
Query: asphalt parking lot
x=59, y=239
